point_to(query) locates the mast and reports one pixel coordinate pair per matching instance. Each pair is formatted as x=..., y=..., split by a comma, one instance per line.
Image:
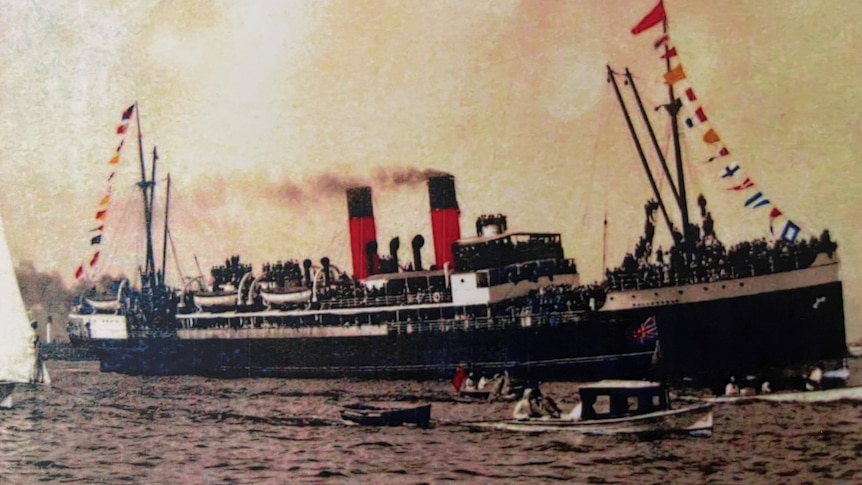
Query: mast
x=146, y=185
x=673, y=110
x=640, y=150
x=165, y=237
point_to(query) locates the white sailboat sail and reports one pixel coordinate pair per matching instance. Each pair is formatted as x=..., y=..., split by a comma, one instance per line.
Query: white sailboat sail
x=17, y=349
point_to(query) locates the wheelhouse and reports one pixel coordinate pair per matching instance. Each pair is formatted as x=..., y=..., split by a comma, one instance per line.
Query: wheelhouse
x=610, y=399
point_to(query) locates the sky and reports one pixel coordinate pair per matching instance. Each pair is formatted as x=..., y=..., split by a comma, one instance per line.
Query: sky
x=264, y=112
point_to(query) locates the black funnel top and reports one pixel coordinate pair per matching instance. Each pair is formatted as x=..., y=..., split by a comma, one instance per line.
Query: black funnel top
x=359, y=202
x=441, y=192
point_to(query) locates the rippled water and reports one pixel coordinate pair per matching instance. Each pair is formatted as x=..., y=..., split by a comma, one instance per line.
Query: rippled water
x=91, y=427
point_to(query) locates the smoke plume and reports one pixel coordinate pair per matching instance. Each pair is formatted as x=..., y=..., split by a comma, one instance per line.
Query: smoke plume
x=329, y=184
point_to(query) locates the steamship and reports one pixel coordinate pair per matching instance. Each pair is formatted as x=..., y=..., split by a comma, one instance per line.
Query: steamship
x=498, y=300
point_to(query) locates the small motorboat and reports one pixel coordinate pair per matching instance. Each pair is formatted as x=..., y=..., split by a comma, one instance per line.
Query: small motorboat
x=385, y=415
x=619, y=407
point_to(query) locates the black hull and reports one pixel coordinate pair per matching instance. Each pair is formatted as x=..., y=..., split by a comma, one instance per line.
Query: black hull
x=570, y=350
x=707, y=341
x=711, y=341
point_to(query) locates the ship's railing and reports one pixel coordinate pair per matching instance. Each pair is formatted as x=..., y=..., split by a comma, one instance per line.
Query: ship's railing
x=458, y=323
x=465, y=323
x=436, y=296
x=660, y=275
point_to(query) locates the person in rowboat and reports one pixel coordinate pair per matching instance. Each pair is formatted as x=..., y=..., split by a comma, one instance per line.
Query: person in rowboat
x=731, y=389
x=814, y=378
x=525, y=408
x=545, y=405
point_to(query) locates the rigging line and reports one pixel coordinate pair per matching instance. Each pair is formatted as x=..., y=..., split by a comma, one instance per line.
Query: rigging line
x=601, y=127
x=118, y=234
x=655, y=102
x=176, y=257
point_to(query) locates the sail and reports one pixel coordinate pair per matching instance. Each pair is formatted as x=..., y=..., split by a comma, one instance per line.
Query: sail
x=17, y=349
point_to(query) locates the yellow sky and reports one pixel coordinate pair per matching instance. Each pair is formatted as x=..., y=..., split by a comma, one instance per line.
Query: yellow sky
x=259, y=109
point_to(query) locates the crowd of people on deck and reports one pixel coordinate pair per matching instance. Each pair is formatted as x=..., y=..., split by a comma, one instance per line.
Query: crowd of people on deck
x=561, y=298
x=699, y=257
x=709, y=262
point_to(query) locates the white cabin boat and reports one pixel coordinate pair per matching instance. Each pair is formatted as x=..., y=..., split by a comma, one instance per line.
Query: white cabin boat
x=619, y=407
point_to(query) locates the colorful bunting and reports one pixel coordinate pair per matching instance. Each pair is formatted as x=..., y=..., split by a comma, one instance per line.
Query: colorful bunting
x=711, y=136
x=652, y=19
x=757, y=200
x=747, y=183
x=772, y=215
x=661, y=41
x=730, y=170
x=699, y=117
x=790, y=231
x=674, y=75
x=102, y=213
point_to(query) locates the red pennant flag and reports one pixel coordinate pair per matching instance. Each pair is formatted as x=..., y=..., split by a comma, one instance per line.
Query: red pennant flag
x=653, y=18
x=670, y=53
x=721, y=153
x=661, y=40
x=689, y=93
x=79, y=272
x=95, y=259
x=121, y=129
x=772, y=215
x=100, y=228
x=101, y=215
x=747, y=183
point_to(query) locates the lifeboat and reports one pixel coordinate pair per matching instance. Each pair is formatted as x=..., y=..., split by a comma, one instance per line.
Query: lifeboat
x=285, y=296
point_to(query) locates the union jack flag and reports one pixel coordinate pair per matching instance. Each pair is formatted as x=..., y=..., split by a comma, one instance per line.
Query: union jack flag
x=645, y=332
